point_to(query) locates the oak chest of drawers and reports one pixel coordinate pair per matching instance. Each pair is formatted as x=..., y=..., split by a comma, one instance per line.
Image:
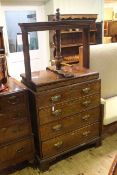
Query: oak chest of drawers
x=16, y=140
x=65, y=112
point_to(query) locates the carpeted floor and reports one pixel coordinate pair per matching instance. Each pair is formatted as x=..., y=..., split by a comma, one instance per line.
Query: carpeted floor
x=93, y=161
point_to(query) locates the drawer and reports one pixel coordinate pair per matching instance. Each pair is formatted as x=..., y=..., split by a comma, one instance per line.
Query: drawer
x=67, y=93
x=16, y=152
x=70, y=140
x=12, y=117
x=67, y=109
x=68, y=124
x=12, y=102
x=11, y=132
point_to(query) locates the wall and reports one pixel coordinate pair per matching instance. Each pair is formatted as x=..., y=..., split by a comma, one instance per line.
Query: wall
x=80, y=7
x=108, y=13
x=49, y=8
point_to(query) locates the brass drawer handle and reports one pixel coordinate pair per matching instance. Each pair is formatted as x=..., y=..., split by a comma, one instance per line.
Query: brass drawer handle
x=86, y=133
x=86, y=103
x=57, y=112
x=86, y=90
x=20, y=150
x=86, y=117
x=56, y=98
x=1, y=115
x=3, y=129
x=58, y=144
x=17, y=116
x=13, y=100
x=57, y=127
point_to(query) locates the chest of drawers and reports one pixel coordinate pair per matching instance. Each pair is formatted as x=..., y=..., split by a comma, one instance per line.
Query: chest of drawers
x=16, y=140
x=65, y=113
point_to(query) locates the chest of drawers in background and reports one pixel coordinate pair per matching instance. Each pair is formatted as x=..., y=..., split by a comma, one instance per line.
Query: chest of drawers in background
x=65, y=113
x=16, y=140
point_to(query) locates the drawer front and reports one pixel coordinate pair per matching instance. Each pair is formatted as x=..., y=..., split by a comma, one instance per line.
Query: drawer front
x=12, y=102
x=68, y=124
x=16, y=131
x=15, y=116
x=17, y=152
x=67, y=93
x=67, y=109
x=70, y=140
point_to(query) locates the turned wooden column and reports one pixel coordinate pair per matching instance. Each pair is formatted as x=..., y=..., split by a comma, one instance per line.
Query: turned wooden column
x=58, y=57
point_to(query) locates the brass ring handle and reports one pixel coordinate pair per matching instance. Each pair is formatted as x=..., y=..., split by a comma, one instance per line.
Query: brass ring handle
x=1, y=115
x=57, y=127
x=13, y=100
x=55, y=98
x=17, y=116
x=86, y=117
x=3, y=129
x=58, y=144
x=86, y=90
x=86, y=133
x=86, y=103
x=56, y=112
x=20, y=150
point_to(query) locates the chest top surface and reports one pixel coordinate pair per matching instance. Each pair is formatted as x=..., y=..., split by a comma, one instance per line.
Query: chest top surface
x=47, y=79
x=13, y=86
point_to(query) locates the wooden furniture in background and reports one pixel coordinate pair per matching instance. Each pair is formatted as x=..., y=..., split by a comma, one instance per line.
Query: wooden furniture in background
x=16, y=140
x=2, y=49
x=110, y=30
x=72, y=39
x=65, y=111
x=3, y=63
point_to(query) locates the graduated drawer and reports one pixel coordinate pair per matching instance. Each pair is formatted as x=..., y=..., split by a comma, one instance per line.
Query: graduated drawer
x=69, y=140
x=16, y=152
x=13, y=116
x=11, y=102
x=61, y=94
x=68, y=124
x=11, y=132
x=67, y=109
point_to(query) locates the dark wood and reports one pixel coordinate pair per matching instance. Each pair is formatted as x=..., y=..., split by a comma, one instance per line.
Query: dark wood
x=109, y=129
x=110, y=30
x=86, y=59
x=72, y=39
x=70, y=92
x=99, y=28
x=57, y=26
x=16, y=139
x=2, y=49
x=3, y=62
x=71, y=113
x=70, y=123
x=58, y=56
x=46, y=80
x=68, y=107
x=113, y=169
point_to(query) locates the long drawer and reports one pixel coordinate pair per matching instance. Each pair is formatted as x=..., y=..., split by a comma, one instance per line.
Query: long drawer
x=68, y=124
x=69, y=140
x=12, y=102
x=67, y=93
x=16, y=152
x=11, y=132
x=58, y=111
x=13, y=116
